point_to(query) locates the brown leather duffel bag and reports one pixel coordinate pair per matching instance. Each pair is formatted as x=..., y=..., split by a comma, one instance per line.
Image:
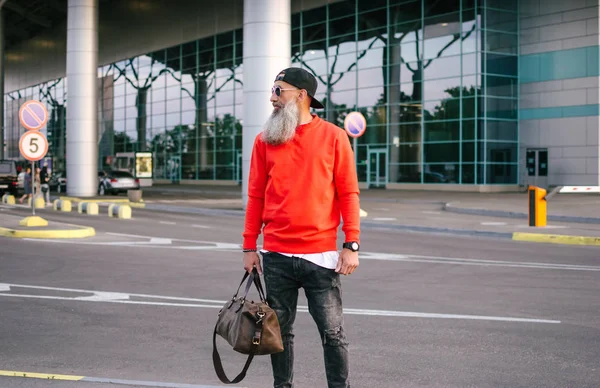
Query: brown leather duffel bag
x=249, y=327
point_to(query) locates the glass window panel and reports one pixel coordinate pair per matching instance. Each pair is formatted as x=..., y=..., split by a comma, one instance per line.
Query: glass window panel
x=406, y=32
x=468, y=173
x=501, y=108
x=342, y=27
x=442, y=46
x=469, y=37
x=500, y=20
x=441, y=152
x=340, y=9
x=468, y=129
x=295, y=39
x=441, y=173
x=502, y=64
x=502, y=130
x=468, y=151
x=344, y=81
x=442, y=131
x=365, y=5
x=510, y=5
x=296, y=20
x=447, y=109
x=174, y=92
x=173, y=106
x=500, y=42
x=468, y=107
x=433, y=8
x=346, y=97
x=443, y=88
x=370, y=77
x=443, y=67
x=314, y=33
x=119, y=114
x=370, y=96
x=406, y=133
x=373, y=20
x=471, y=64
x=405, y=112
x=173, y=119
x=448, y=24
x=406, y=173
x=501, y=86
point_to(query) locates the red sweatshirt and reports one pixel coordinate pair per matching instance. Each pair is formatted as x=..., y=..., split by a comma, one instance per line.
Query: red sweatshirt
x=299, y=189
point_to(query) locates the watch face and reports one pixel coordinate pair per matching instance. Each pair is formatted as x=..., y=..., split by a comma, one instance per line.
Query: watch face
x=354, y=246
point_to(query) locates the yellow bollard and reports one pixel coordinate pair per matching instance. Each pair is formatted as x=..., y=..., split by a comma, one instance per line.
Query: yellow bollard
x=537, y=206
x=39, y=203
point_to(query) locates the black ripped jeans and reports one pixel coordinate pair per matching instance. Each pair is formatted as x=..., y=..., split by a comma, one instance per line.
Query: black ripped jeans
x=284, y=275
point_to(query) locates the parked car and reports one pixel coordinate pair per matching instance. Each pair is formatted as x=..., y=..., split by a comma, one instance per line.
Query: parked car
x=58, y=182
x=8, y=177
x=115, y=182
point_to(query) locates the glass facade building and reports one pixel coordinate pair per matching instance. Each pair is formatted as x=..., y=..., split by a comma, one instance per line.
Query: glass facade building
x=437, y=81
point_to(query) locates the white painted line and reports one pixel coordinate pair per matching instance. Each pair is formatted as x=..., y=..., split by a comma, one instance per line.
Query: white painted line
x=201, y=226
x=118, y=298
x=484, y=263
x=4, y=287
x=384, y=219
x=168, y=223
x=139, y=383
x=382, y=208
x=493, y=223
x=431, y=212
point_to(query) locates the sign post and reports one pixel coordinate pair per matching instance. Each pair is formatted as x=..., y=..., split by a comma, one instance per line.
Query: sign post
x=33, y=145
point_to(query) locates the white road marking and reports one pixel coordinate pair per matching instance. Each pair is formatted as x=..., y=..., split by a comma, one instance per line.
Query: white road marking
x=493, y=223
x=168, y=223
x=122, y=298
x=384, y=219
x=431, y=212
x=480, y=262
x=4, y=287
x=201, y=226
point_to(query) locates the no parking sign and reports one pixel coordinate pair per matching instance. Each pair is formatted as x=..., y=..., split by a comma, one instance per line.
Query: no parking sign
x=355, y=124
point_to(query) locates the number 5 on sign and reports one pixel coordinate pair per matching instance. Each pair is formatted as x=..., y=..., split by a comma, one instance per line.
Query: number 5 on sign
x=33, y=145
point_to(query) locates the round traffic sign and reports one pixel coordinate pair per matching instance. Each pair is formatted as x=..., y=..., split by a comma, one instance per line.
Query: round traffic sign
x=33, y=115
x=33, y=145
x=355, y=124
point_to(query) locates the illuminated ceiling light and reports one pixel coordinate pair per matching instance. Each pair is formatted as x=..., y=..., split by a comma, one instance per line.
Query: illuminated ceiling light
x=15, y=57
x=312, y=52
x=444, y=24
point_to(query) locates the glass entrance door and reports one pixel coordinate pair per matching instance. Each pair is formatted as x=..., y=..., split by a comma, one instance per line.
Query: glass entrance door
x=377, y=174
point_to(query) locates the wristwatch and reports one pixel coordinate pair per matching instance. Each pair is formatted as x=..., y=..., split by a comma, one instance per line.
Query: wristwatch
x=352, y=245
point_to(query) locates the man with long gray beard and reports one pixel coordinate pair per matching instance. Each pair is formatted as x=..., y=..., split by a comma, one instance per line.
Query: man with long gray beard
x=302, y=178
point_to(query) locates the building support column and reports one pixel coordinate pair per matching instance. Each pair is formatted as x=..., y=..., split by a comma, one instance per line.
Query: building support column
x=267, y=51
x=2, y=71
x=82, y=108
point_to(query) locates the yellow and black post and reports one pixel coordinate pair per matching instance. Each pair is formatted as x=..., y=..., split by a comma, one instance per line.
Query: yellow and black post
x=537, y=206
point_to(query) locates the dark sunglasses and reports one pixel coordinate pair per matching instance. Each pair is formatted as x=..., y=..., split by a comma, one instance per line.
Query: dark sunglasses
x=277, y=90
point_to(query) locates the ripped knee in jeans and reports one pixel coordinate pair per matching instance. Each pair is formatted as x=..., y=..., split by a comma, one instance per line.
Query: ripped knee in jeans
x=335, y=337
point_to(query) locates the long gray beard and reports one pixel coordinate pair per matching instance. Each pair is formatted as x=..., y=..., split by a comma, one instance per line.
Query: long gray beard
x=281, y=125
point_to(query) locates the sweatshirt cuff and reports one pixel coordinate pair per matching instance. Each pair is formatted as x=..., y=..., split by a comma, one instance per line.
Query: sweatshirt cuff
x=249, y=243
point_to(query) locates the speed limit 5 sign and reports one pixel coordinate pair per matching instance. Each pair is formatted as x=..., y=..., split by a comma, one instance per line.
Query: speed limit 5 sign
x=33, y=145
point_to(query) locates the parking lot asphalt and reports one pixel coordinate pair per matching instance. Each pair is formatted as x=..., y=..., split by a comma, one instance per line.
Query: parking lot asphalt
x=137, y=302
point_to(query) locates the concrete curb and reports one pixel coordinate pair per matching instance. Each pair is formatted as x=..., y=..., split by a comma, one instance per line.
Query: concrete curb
x=506, y=214
x=80, y=232
x=557, y=239
x=106, y=202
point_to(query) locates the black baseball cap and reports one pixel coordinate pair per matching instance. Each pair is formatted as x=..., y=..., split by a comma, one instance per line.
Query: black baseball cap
x=301, y=79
